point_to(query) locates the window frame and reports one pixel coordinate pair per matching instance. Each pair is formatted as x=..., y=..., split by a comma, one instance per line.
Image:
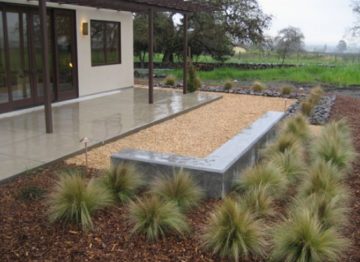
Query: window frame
x=105, y=50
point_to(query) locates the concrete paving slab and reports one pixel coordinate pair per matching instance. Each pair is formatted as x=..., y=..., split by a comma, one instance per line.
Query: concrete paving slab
x=25, y=145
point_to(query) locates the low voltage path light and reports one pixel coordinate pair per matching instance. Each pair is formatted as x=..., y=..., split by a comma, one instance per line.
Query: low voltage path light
x=85, y=141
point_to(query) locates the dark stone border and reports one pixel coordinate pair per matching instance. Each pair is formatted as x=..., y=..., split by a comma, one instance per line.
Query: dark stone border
x=215, y=172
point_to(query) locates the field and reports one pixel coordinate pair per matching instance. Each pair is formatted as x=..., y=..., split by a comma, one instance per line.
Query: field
x=312, y=68
x=347, y=75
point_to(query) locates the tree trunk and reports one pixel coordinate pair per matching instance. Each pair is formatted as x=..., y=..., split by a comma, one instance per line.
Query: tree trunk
x=168, y=57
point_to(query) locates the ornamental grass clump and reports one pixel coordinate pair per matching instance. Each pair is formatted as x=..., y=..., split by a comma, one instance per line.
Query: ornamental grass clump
x=282, y=143
x=232, y=231
x=334, y=145
x=322, y=179
x=258, y=86
x=228, y=85
x=306, y=108
x=286, y=90
x=301, y=237
x=315, y=95
x=258, y=201
x=193, y=81
x=262, y=175
x=170, y=80
x=154, y=217
x=289, y=163
x=74, y=200
x=179, y=188
x=297, y=126
x=123, y=181
x=330, y=212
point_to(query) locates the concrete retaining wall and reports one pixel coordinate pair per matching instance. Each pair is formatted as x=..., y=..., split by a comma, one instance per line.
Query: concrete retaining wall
x=214, y=173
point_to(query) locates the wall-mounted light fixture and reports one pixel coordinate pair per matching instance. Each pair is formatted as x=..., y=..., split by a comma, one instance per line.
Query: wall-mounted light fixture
x=85, y=28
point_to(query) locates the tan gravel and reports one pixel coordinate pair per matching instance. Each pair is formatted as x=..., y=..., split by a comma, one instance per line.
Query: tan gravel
x=196, y=133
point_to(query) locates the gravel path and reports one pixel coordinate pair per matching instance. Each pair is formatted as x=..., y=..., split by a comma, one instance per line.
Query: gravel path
x=196, y=133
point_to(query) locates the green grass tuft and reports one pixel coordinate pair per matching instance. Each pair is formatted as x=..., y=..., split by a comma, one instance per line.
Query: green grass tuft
x=232, y=231
x=297, y=126
x=31, y=193
x=302, y=238
x=122, y=181
x=322, y=179
x=170, y=80
x=257, y=86
x=286, y=89
x=262, y=175
x=179, y=188
x=306, y=108
x=75, y=200
x=258, y=201
x=329, y=212
x=335, y=145
x=228, y=85
x=155, y=218
x=290, y=164
x=282, y=143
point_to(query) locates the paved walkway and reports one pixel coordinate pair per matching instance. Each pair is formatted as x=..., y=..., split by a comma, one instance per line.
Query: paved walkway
x=25, y=145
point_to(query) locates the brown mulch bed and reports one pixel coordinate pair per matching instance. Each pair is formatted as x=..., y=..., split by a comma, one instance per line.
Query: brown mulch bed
x=349, y=108
x=26, y=235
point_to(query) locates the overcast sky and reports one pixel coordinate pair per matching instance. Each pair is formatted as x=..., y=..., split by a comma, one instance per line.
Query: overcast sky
x=321, y=21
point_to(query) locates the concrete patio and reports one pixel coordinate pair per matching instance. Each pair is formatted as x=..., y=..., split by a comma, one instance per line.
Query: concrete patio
x=24, y=145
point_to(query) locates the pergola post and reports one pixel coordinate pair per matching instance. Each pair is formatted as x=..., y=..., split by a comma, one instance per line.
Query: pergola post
x=185, y=55
x=45, y=61
x=151, y=54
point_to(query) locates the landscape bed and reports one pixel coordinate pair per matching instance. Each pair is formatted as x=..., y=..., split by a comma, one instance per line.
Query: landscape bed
x=27, y=235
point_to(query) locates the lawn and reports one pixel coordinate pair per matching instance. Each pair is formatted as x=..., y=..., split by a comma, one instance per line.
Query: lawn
x=338, y=75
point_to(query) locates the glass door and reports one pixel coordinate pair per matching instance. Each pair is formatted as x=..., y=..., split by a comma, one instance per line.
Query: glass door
x=65, y=58
x=17, y=46
x=4, y=91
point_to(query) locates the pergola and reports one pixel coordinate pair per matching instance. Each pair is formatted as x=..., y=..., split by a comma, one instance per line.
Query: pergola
x=148, y=6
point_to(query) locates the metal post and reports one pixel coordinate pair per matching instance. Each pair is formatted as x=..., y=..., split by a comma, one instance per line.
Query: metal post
x=151, y=53
x=45, y=60
x=185, y=55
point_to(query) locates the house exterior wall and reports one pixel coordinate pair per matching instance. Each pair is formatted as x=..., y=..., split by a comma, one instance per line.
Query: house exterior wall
x=97, y=79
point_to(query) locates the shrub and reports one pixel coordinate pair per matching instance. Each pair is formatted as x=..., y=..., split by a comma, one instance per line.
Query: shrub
x=266, y=175
x=329, y=212
x=194, y=82
x=179, y=188
x=306, y=107
x=232, y=231
x=31, y=193
x=258, y=201
x=154, y=217
x=287, y=89
x=75, y=200
x=170, y=80
x=302, y=238
x=289, y=163
x=322, y=179
x=258, y=86
x=228, y=85
x=334, y=145
x=297, y=126
x=122, y=181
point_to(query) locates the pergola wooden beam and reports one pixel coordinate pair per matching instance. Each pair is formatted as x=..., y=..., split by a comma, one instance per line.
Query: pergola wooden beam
x=46, y=72
x=151, y=54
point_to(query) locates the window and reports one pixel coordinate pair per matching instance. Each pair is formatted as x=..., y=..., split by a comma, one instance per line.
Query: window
x=105, y=43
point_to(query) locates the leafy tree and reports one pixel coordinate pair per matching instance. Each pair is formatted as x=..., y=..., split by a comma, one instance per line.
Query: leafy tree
x=356, y=10
x=234, y=22
x=289, y=40
x=342, y=46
